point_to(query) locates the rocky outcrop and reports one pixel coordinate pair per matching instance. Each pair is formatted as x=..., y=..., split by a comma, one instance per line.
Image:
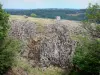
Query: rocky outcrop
x=54, y=46
x=57, y=47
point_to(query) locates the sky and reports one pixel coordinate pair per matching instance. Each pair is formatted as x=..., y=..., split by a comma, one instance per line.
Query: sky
x=36, y=4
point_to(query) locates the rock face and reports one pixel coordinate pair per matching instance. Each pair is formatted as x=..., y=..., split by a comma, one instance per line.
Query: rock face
x=57, y=47
x=22, y=29
x=54, y=46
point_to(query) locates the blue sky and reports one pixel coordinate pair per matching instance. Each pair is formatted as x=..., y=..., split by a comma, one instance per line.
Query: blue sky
x=34, y=4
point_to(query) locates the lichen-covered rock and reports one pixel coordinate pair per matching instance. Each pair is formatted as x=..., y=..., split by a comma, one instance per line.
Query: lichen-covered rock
x=22, y=29
x=54, y=46
x=57, y=47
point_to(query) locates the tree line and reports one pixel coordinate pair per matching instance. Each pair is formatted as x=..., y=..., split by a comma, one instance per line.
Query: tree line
x=50, y=13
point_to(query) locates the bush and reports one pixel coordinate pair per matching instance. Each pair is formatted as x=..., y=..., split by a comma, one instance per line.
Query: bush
x=87, y=57
x=8, y=46
x=86, y=60
x=4, y=17
x=8, y=52
x=98, y=31
x=93, y=13
x=91, y=24
x=33, y=15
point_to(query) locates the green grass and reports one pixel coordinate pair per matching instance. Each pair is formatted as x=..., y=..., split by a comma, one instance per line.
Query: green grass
x=40, y=21
x=22, y=63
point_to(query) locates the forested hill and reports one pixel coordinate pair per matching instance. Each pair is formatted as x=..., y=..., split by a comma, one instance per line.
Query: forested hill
x=70, y=14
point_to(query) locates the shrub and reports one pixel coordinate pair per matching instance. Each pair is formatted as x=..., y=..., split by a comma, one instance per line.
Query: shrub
x=87, y=57
x=91, y=24
x=93, y=13
x=8, y=52
x=33, y=15
x=92, y=29
x=4, y=17
x=8, y=46
x=86, y=60
x=98, y=31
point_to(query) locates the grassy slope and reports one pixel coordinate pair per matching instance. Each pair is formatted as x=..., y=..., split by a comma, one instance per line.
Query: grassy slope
x=72, y=25
x=36, y=20
x=42, y=20
x=22, y=63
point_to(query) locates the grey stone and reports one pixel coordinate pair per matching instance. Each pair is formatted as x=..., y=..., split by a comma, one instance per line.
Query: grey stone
x=55, y=46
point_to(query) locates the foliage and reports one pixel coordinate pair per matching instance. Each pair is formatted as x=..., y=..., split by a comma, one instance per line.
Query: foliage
x=87, y=56
x=33, y=15
x=3, y=24
x=52, y=70
x=93, y=13
x=90, y=28
x=8, y=46
x=93, y=18
x=98, y=31
x=8, y=52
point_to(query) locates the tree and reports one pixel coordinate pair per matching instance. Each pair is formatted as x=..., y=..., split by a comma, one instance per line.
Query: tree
x=93, y=13
x=8, y=47
x=87, y=55
x=33, y=15
x=4, y=17
x=91, y=24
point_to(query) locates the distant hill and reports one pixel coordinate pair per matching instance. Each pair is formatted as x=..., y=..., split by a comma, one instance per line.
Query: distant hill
x=69, y=14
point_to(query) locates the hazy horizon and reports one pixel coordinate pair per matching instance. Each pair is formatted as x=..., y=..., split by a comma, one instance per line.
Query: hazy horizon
x=47, y=4
x=43, y=8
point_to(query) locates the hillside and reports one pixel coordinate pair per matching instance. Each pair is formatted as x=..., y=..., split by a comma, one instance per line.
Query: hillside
x=47, y=46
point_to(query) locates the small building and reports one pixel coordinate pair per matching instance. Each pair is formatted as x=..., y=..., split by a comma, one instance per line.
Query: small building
x=58, y=18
